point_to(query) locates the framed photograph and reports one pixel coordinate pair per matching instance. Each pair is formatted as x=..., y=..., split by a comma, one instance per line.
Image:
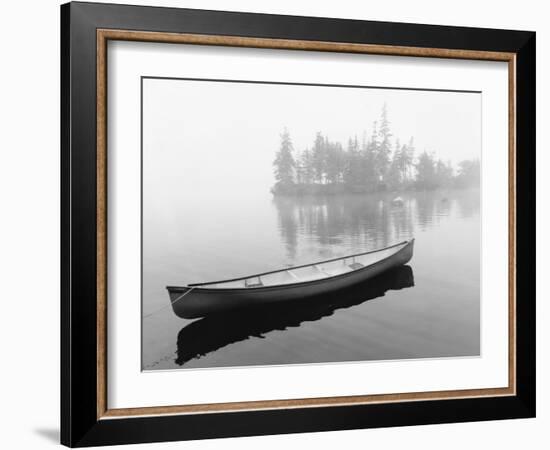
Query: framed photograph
x=277, y=224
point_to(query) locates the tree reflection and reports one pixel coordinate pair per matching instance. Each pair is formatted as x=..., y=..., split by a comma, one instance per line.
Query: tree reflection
x=354, y=222
x=332, y=225
x=431, y=207
x=288, y=224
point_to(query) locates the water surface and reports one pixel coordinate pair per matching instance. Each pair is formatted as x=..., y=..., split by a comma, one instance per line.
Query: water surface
x=429, y=308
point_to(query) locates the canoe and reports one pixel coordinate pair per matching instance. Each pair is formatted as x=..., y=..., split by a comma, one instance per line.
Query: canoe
x=209, y=334
x=291, y=284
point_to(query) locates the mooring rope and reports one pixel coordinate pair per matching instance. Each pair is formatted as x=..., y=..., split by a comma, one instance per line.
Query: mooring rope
x=170, y=304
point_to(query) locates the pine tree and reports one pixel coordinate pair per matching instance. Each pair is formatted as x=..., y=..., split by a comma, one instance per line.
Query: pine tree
x=393, y=176
x=353, y=168
x=334, y=161
x=443, y=173
x=284, y=164
x=408, y=157
x=368, y=165
x=384, y=147
x=300, y=169
x=306, y=167
x=400, y=160
x=318, y=156
x=425, y=169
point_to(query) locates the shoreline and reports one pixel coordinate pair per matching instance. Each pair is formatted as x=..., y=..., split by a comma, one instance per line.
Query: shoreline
x=333, y=190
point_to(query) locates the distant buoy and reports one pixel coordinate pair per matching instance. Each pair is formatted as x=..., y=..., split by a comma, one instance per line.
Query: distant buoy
x=397, y=201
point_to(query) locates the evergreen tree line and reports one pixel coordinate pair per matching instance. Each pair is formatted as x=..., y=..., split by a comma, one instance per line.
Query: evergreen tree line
x=379, y=163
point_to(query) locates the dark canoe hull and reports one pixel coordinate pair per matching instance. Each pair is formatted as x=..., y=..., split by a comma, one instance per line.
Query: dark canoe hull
x=201, y=302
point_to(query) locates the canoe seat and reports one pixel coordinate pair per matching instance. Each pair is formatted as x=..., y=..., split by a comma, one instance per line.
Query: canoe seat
x=253, y=282
x=356, y=265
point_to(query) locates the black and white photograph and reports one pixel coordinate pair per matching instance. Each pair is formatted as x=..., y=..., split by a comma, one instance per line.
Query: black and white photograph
x=283, y=222
x=303, y=223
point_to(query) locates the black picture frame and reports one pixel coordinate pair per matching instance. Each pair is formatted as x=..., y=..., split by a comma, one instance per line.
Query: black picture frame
x=80, y=425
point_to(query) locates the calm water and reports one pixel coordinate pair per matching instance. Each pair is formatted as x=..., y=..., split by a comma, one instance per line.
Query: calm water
x=429, y=308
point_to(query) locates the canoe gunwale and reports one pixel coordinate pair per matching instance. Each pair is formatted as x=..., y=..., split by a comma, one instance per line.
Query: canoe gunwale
x=203, y=287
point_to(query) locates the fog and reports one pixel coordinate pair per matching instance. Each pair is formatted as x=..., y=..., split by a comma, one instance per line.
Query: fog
x=222, y=136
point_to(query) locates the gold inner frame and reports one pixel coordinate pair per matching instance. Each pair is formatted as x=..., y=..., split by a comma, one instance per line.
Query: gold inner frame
x=104, y=35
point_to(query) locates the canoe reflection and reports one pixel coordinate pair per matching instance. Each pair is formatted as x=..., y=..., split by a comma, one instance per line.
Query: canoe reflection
x=214, y=332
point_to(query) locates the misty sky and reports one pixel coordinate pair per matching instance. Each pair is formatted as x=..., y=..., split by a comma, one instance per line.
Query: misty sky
x=202, y=135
